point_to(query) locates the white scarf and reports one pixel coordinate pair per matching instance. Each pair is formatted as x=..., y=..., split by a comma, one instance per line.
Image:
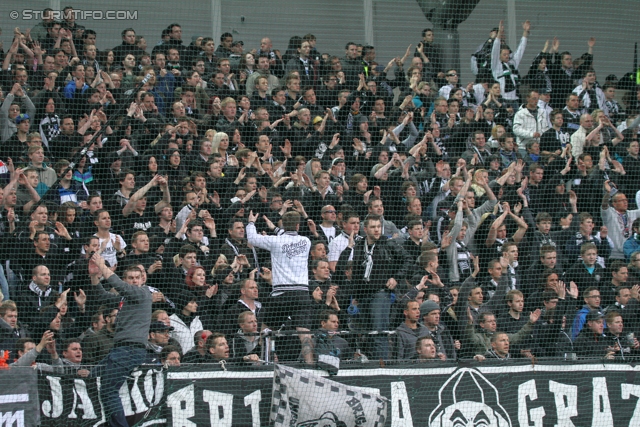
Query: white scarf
x=369, y=261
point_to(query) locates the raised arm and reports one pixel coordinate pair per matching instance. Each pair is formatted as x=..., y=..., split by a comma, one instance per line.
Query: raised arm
x=595, y=133
x=493, y=231
x=503, y=179
x=253, y=237
x=380, y=173
x=29, y=357
x=132, y=293
x=497, y=300
x=463, y=191
x=35, y=197
x=457, y=223
x=166, y=195
x=517, y=56
x=468, y=284
x=591, y=43
x=131, y=204
x=84, y=125
x=28, y=104
x=605, y=203
x=97, y=267
x=12, y=50
x=522, y=227
x=496, y=64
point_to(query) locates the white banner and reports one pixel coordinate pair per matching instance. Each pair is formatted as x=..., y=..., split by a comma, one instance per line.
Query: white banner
x=304, y=399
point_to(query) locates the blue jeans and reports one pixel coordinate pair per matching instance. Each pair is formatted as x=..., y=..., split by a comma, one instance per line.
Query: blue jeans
x=380, y=310
x=113, y=371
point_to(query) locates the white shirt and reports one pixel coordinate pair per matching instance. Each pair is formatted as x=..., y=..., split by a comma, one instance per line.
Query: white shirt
x=330, y=232
x=336, y=246
x=110, y=253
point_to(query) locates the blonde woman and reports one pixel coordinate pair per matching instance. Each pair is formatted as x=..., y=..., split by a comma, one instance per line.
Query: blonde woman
x=209, y=134
x=220, y=144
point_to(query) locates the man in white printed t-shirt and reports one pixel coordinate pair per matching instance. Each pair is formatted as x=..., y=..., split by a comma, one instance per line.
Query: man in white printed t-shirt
x=113, y=244
x=327, y=226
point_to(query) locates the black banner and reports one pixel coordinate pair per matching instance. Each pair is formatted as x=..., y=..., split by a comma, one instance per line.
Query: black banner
x=428, y=394
x=19, y=397
x=69, y=400
x=422, y=394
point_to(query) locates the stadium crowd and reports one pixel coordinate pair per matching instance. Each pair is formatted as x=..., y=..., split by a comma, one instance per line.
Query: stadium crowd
x=247, y=190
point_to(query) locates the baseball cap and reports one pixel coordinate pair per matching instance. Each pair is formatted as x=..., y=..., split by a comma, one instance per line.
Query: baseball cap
x=594, y=315
x=20, y=118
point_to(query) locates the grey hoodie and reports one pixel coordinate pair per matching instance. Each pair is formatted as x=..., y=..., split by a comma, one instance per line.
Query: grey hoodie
x=30, y=356
x=7, y=126
x=406, y=339
x=134, y=318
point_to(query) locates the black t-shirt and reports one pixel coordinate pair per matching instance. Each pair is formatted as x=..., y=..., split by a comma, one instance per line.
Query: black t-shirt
x=12, y=148
x=156, y=230
x=553, y=140
x=135, y=222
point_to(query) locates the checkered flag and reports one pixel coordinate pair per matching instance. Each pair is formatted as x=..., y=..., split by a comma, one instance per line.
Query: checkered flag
x=303, y=399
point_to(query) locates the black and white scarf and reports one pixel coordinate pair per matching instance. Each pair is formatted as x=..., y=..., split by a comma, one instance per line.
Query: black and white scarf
x=49, y=128
x=368, y=263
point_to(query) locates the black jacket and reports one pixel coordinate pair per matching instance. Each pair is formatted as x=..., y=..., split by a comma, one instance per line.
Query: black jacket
x=562, y=82
x=590, y=345
x=444, y=342
x=31, y=300
x=228, y=321
x=9, y=335
x=389, y=260
x=628, y=312
x=241, y=347
x=551, y=338
x=626, y=352
x=578, y=273
x=193, y=356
